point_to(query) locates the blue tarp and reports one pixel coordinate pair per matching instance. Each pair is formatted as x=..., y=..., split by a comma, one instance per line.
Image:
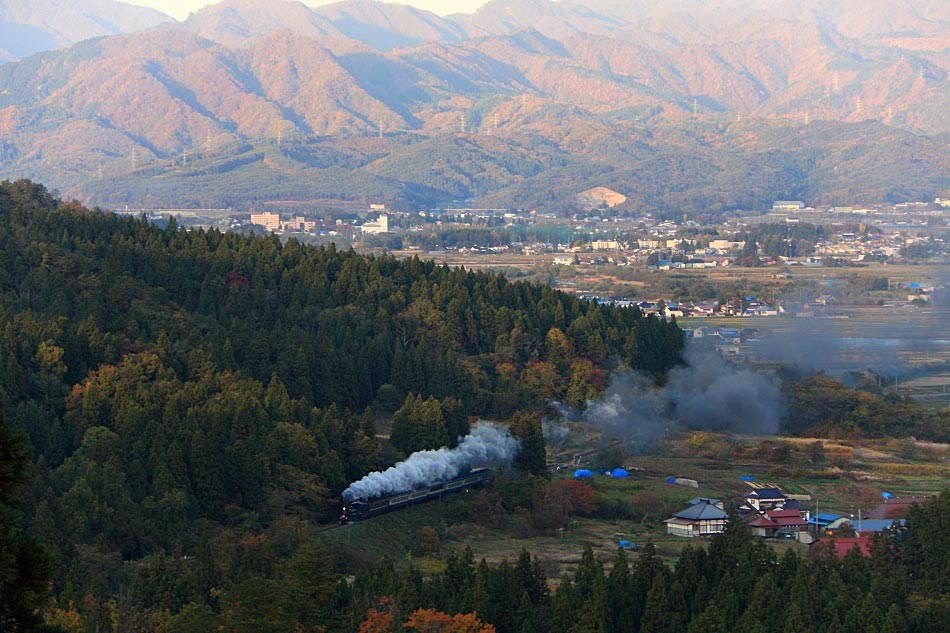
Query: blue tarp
x=619, y=472
x=887, y=495
x=747, y=478
x=671, y=480
x=583, y=473
x=627, y=545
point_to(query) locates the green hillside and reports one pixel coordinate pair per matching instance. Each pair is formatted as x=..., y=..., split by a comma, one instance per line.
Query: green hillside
x=177, y=385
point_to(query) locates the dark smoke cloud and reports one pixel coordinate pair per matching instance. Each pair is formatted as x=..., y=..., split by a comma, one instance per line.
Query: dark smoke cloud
x=838, y=346
x=556, y=428
x=708, y=393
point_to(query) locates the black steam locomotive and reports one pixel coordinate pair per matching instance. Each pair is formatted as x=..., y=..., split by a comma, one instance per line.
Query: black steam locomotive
x=365, y=508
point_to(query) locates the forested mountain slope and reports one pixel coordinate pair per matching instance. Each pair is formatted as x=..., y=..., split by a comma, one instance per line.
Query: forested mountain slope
x=253, y=101
x=173, y=382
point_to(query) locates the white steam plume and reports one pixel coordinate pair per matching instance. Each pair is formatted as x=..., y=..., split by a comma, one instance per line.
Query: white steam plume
x=485, y=443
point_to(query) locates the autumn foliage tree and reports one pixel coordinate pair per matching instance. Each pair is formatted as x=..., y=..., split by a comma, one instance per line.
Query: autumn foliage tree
x=432, y=621
x=381, y=619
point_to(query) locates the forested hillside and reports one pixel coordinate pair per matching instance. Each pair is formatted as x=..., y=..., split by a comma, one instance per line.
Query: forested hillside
x=182, y=390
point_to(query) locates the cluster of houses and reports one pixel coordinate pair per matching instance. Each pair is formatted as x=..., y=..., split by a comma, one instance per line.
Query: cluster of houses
x=750, y=306
x=771, y=513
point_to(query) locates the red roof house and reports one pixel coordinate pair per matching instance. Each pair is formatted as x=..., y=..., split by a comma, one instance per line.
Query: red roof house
x=787, y=520
x=763, y=526
x=841, y=546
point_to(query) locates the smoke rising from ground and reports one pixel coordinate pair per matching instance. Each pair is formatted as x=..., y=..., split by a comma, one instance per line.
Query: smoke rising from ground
x=707, y=393
x=485, y=443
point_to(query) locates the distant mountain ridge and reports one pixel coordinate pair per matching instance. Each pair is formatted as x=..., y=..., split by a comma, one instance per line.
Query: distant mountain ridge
x=488, y=105
x=31, y=26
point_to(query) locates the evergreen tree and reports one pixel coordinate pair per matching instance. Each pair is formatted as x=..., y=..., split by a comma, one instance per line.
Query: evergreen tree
x=25, y=567
x=531, y=457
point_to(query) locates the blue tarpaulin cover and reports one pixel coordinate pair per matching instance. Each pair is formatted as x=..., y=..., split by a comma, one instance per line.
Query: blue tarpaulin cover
x=619, y=472
x=583, y=473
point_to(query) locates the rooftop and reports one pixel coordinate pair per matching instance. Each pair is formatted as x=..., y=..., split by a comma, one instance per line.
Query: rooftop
x=766, y=493
x=702, y=511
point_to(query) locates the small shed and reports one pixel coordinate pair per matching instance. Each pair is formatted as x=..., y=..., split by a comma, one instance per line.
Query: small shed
x=682, y=481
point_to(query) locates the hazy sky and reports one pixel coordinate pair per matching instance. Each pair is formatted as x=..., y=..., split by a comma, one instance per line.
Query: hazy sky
x=181, y=8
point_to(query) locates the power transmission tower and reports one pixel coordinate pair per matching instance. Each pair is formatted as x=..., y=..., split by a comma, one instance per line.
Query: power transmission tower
x=135, y=160
x=462, y=123
x=836, y=81
x=380, y=128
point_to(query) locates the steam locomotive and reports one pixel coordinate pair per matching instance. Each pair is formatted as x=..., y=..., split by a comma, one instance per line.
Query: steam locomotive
x=366, y=508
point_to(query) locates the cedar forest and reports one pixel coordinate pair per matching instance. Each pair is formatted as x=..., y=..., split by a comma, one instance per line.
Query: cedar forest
x=180, y=411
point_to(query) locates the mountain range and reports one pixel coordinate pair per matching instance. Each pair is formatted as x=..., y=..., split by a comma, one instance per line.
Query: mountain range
x=520, y=103
x=32, y=26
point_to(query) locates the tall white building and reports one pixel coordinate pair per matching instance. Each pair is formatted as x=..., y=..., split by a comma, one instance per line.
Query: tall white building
x=379, y=226
x=270, y=221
